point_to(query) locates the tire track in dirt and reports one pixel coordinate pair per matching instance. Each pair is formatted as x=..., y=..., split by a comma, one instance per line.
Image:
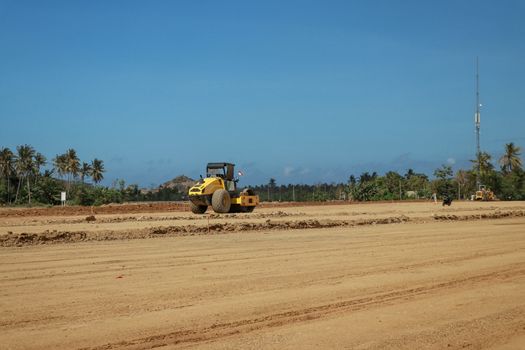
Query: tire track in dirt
x=372, y=271
x=358, y=243
x=331, y=278
x=354, y=245
x=480, y=333
x=30, y=321
x=53, y=237
x=423, y=264
x=220, y=330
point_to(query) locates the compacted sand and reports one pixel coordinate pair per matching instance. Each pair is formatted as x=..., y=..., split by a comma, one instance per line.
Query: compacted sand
x=357, y=276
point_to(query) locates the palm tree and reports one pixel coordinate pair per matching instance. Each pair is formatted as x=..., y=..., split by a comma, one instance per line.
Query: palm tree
x=6, y=167
x=24, y=166
x=482, y=167
x=511, y=158
x=482, y=164
x=97, y=170
x=59, y=163
x=85, y=170
x=39, y=161
x=72, y=164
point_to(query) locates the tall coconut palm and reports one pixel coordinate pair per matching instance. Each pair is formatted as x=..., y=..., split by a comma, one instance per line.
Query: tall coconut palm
x=59, y=163
x=39, y=161
x=85, y=170
x=511, y=158
x=97, y=170
x=24, y=166
x=6, y=168
x=72, y=164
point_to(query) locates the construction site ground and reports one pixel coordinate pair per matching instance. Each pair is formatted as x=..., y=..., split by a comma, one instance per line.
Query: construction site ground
x=346, y=276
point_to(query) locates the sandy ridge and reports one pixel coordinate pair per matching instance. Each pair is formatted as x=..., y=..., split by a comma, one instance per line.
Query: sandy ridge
x=52, y=237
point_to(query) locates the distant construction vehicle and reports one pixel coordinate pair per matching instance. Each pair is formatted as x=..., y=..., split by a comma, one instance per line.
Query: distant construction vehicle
x=219, y=189
x=484, y=194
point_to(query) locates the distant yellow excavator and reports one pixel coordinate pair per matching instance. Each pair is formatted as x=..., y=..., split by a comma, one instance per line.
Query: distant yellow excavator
x=484, y=194
x=219, y=189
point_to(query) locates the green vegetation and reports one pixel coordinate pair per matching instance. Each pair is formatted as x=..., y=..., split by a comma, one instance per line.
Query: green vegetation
x=24, y=181
x=22, y=174
x=508, y=183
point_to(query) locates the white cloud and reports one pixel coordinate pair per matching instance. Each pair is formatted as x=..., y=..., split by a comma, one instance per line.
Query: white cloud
x=304, y=171
x=288, y=171
x=451, y=161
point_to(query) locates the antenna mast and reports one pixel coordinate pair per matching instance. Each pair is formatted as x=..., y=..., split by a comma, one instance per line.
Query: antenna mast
x=477, y=122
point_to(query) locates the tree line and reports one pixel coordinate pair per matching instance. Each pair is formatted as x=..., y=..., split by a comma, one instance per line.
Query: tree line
x=507, y=182
x=24, y=179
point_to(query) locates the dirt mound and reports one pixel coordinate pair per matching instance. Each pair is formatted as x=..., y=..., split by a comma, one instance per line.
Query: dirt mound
x=495, y=215
x=54, y=237
x=104, y=209
x=47, y=237
x=50, y=237
x=42, y=238
x=245, y=226
x=141, y=218
x=276, y=214
x=146, y=218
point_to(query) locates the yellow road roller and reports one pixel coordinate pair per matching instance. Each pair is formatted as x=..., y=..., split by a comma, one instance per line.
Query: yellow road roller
x=219, y=190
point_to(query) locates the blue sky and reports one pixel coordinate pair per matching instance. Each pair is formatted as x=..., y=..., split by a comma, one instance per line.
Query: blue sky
x=302, y=91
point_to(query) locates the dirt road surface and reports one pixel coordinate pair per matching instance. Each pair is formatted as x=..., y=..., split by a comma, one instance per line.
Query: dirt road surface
x=374, y=276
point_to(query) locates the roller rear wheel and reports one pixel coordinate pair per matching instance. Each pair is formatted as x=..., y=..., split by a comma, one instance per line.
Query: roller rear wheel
x=221, y=201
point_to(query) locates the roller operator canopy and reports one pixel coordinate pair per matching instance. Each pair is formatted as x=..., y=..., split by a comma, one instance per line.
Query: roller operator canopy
x=223, y=170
